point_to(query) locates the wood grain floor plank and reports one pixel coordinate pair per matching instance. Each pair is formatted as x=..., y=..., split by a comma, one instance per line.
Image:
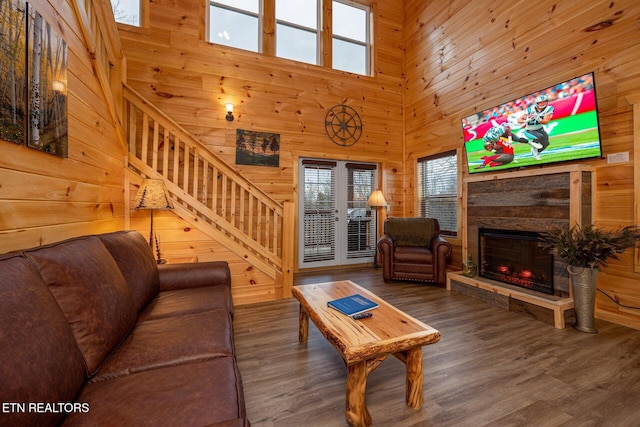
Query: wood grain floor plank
x=491, y=368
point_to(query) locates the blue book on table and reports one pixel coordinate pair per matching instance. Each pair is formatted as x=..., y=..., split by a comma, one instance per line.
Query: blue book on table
x=353, y=304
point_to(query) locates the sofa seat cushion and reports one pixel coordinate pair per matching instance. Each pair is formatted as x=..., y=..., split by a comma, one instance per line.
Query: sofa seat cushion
x=94, y=296
x=412, y=254
x=171, y=341
x=39, y=361
x=186, y=301
x=135, y=259
x=182, y=395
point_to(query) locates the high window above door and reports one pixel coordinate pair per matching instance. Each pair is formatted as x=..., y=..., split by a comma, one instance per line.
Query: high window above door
x=330, y=33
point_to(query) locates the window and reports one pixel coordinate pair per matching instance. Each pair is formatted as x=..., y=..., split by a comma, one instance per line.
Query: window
x=297, y=34
x=235, y=23
x=127, y=12
x=438, y=190
x=350, y=38
x=293, y=29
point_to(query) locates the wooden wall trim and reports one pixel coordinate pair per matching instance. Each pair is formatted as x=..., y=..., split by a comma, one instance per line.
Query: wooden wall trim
x=634, y=100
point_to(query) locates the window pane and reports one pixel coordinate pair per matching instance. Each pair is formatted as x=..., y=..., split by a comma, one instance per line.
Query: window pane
x=250, y=5
x=360, y=226
x=299, y=12
x=126, y=11
x=233, y=29
x=296, y=44
x=349, y=57
x=349, y=21
x=438, y=190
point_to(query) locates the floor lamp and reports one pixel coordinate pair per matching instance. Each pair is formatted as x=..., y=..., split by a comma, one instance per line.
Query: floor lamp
x=376, y=201
x=152, y=195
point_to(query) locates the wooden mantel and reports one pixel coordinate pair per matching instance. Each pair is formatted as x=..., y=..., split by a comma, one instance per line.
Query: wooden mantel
x=577, y=186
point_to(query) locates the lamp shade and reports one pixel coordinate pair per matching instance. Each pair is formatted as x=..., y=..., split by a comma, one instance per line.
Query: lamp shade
x=376, y=199
x=153, y=194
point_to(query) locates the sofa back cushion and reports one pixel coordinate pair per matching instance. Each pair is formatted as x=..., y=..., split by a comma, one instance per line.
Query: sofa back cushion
x=411, y=231
x=137, y=264
x=89, y=287
x=39, y=358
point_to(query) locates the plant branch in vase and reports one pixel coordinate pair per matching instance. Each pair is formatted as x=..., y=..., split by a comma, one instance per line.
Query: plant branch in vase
x=585, y=249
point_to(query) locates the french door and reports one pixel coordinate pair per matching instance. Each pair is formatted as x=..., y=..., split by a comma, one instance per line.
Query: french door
x=336, y=225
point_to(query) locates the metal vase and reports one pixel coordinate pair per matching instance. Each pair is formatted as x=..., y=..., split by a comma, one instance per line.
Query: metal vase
x=584, y=282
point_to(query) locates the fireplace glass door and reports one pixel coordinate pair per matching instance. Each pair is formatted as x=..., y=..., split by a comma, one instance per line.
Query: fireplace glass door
x=517, y=258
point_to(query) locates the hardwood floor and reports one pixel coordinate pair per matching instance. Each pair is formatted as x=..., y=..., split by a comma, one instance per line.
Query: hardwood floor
x=491, y=367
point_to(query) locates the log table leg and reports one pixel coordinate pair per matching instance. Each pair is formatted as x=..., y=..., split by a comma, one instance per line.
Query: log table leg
x=303, y=332
x=414, y=395
x=357, y=414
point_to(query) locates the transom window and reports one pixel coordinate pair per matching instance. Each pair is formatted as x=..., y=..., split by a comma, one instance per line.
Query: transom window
x=293, y=29
x=127, y=12
x=235, y=23
x=297, y=30
x=438, y=190
x=350, y=38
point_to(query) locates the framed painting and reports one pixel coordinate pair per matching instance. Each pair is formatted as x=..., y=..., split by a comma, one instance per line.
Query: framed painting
x=13, y=73
x=257, y=148
x=46, y=87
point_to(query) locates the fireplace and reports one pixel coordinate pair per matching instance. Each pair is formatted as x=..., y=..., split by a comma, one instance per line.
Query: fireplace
x=517, y=258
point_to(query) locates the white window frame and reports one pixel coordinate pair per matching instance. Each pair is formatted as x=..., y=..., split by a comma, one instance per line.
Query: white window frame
x=259, y=16
x=367, y=43
x=317, y=31
x=142, y=7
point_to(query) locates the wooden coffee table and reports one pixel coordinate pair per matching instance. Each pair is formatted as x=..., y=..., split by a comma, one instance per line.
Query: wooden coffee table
x=364, y=344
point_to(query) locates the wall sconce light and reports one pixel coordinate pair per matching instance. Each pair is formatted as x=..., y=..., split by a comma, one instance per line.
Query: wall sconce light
x=229, y=107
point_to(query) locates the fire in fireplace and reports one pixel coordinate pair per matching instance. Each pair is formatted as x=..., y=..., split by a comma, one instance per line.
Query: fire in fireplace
x=517, y=258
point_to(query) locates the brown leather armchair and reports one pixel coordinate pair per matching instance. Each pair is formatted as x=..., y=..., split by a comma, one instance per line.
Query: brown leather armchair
x=412, y=249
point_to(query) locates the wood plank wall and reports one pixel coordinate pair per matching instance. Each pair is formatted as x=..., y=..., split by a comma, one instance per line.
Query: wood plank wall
x=462, y=57
x=190, y=79
x=44, y=198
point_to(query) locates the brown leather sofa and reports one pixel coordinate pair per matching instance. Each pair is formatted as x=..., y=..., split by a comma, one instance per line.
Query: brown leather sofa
x=94, y=333
x=413, y=249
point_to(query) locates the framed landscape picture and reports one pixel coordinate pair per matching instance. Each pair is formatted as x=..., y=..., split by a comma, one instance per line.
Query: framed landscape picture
x=47, y=87
x=13, y=72
x=257, y=148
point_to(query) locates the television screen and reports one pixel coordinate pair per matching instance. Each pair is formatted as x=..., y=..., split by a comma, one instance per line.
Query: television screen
x=556, y=124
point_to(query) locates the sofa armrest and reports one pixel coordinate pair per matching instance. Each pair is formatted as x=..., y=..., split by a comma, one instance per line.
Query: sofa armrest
x=194, y=275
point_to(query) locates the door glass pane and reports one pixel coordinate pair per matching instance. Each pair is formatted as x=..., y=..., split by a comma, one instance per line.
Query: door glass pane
x=319, y=213
x=360, y=223
x=297, y=44
x=233, y=29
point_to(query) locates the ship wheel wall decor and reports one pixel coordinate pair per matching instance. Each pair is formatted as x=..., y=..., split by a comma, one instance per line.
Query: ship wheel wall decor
x=343, y=125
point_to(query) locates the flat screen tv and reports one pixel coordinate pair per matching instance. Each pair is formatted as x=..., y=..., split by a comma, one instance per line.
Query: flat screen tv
x=556, y=124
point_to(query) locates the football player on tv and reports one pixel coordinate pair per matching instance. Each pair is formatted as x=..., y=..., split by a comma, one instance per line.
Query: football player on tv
x=498, y=141
x=536, y=116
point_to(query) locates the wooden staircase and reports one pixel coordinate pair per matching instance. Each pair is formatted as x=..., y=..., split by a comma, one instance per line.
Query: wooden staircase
x=207, y=192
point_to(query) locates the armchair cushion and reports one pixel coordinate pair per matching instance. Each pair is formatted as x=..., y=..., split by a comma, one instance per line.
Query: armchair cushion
x=411, y=231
